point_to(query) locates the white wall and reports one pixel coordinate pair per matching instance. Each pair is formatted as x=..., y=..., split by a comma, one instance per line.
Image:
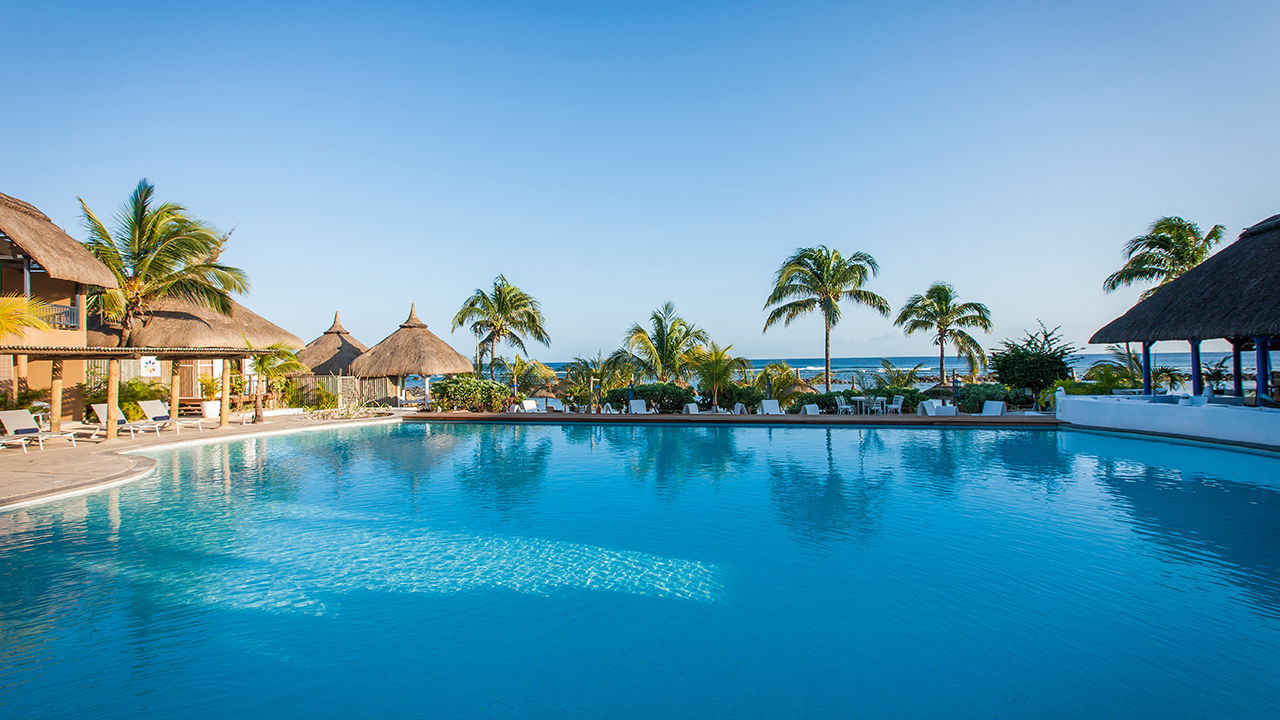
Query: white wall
x=1207, y=422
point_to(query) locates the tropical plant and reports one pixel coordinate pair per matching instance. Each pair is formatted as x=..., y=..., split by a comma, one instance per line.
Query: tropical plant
x=1120, y=370
x=781, y=380
x=664, y=349
x=974, y=395
x=733, y=393
x=818, y=279
x=130, y=392
x=1167, y=376
x=1215, y=374
x=891, y=375
x=665, y=397
x=938, y=311
x=1170, y=247
x=504, y=314
x=158, y=252
x=527, y=376
x=1036, y=362
x=209, y=387
x=584, y=373
x=472, y=394
x=277, y=363
x=19, y=313
x=715, y=367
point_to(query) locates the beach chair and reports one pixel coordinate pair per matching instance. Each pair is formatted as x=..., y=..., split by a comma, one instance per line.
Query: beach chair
x=739, y=409
x=935, y=408
x=158, y=411
x=530, y=406
x=639, y=407
x=7, y=440
x=842, y=407
x=895, y=407
x=769, y=407
x=875, y=405
x=21, y=425
x=994, y=408
x=691, y=409
x=100, y=409
x=810, y=409
x=554, y=405
x=607, y=409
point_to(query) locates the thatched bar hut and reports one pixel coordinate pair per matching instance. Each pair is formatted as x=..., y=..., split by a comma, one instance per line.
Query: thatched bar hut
x=1234, y=295
x=333, y=351
x=410, y=350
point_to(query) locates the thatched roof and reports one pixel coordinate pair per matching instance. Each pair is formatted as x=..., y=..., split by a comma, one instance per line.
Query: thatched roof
x=1235, y=293
x=61, y=255
x=333, y=351
x=177, y=324
x=411, y=350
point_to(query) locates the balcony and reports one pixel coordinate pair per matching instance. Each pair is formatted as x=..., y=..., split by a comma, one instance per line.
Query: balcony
x=62, y=317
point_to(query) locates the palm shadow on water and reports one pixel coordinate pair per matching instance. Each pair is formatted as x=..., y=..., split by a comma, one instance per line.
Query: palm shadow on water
x=671, y=458
x=505, y=467
x=824, y=501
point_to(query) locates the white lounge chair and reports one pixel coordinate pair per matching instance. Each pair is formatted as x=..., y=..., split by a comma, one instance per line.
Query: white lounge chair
x=100, y=409
x=739, y=409
x=158, y=411
x=935, y=408
x=607, y=409
x=18, y=440
x=639, y=407
x=810, y=409
x=530, y=406
x=842, y=407
x=554, y=405
x=895, y=407
x=770, y=407
x=691, y=409
x=994, y=408
x=22, y=425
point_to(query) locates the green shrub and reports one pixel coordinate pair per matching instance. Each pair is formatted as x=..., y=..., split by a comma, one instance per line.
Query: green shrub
x=314, y=398
x=471, y=394
x=25, y=398
x=972, y=397
x=665, y=397
x=734, y=393
x=1036, y=362
x=1072, y=388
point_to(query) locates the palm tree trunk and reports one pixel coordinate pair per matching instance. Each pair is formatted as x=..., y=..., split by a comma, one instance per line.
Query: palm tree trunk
x=942, y=362
x=257, y=400
x=826, y=350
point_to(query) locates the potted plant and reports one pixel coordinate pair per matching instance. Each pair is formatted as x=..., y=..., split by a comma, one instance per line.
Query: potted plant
x=209, y=388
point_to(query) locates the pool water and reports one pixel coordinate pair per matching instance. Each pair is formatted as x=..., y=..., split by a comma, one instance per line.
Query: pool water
x=576, y=571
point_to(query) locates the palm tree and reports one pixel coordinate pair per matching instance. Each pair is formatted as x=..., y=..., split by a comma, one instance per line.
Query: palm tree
x=158, y=252
x=937, y=311
x=527, y=375
x=1168, y=376
x=19, y=313
x=1215, y=374
x=818, y=278
x=782, y=378
x=505, y=314
x=891, y=375
x=715, y=367
x=607, y=373
x=663, y=350
x=279, y=362
x=1121, y=370
x=1170, y=247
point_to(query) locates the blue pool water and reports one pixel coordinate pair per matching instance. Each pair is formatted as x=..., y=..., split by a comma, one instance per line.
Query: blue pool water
x=630, y=571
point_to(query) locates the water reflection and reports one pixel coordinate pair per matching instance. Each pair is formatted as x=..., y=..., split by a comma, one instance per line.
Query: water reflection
x=827, y=502
x=671, y=457
x=505, y=467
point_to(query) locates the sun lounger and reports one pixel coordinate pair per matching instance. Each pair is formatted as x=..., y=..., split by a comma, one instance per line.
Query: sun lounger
x=608, y=410
x=691, y=409
x=100, y=409
x=770, y=407
x=935, y=408
x=739, y=409
x=158, y=411
x=638, y=407
x=810, y=409
x=554, y=405
x=530, y=406
x=21, y=425
x=994, y=408
x=15, y=440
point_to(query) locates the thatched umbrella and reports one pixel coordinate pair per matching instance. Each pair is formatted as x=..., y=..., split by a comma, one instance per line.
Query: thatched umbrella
x=543, y=392
x=410, y=350
x=332, y=352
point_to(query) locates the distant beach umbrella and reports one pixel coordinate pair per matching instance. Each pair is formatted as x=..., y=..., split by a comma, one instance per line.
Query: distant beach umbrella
x=768, y=386
x=332, y=352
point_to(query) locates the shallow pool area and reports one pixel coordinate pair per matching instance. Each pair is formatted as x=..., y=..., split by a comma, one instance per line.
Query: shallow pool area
x=587, y=571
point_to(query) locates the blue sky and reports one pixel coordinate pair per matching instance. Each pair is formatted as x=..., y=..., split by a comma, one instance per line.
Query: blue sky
x=610, y=156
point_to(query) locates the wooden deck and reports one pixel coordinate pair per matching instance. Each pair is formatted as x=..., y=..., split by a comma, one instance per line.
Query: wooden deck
x=1018, y=421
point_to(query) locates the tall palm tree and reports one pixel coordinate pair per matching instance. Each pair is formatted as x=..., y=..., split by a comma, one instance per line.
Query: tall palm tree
x=504, y=314
x=527, y=375
x=19, y=313
x=716, y=367
x=281, y=361
x=819, y=278
x=663, y=350
x=156, y=252
x=939, y=312
x=1170, y=247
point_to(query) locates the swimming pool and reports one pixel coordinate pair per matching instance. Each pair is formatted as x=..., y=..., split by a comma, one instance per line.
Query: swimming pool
x=642, y=571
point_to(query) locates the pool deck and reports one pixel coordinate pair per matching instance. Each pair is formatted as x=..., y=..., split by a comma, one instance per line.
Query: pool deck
x=61, y=470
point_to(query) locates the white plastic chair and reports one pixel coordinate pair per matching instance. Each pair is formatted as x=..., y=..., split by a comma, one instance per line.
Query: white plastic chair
x=842, y=407
x=895, y=407
x=22, y=427
x=994, y=408
x=554, y=405
x=810, y=409
x=770, y=407
x=691, y=409
x=157, y=411
x=739, y=409
x=638, y=407
x=530, y=406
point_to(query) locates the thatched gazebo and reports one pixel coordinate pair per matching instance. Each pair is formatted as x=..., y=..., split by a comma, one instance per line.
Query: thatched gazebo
x=410, y=350
x=1234, y=295
x=333, y=351
x=44, y=243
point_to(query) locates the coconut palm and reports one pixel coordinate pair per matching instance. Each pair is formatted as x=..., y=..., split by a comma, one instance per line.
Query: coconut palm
x=157, y=252
x=891, y=375
x=716, y=367
x=504, y=314
x=782, y=378
x=1120, y=370
x=663, y=350
x=1167, y=376
x=938, y=311
x=606, y=373
x=19, y=313
x=1170, y=247
x=527, y=375
x=818, y=279
x=270, y=368
x=1215, y=374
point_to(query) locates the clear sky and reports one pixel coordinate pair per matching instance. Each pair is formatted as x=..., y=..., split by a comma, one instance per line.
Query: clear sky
x=610, y=156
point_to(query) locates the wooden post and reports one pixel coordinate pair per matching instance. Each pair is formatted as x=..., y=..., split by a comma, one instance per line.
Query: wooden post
x=113, y=398
x=1237, y=373
x=224, y=408
x=1263, y=360
x=175, y=388
x=1197, y=375
x=13, y=386
x=55, y=396
x=1146, y=368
